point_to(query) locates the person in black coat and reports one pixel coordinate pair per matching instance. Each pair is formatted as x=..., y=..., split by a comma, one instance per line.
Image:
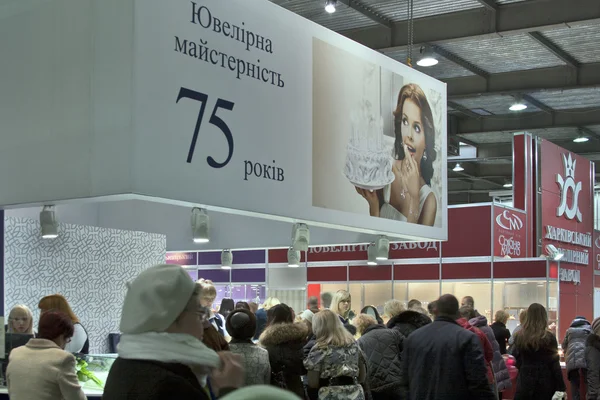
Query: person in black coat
x=442, y=360
x=408, y=321
x=382, y=348
x=592, y=359
x=501, y=333
x=536, y=352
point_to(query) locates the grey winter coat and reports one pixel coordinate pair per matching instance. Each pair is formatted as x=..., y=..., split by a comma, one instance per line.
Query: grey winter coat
x=500, y=369
x=592, y=358
x=382, y=348
x=574, y=344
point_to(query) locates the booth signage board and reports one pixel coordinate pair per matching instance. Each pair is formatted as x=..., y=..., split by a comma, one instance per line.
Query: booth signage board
x=246, y=107
x=182, y=258
x=510, y=232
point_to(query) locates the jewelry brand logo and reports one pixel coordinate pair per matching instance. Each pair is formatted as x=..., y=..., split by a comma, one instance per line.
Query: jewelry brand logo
x=568, y=184
x=509, y=221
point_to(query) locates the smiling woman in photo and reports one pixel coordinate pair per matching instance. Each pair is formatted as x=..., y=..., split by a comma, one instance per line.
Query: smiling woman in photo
x=409, y=197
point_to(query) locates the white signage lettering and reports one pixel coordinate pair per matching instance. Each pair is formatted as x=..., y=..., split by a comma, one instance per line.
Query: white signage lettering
x=568, y=184
x=509, y=221
x=570, y=275
x=567, y=236
x=509, y=246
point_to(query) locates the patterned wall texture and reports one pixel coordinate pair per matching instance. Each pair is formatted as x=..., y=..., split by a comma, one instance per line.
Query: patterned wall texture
x=86, y=264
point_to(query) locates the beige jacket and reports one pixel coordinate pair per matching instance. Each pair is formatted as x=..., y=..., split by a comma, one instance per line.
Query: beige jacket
x=41, y=370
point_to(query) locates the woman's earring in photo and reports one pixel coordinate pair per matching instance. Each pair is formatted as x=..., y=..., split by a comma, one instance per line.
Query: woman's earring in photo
x=425, y=155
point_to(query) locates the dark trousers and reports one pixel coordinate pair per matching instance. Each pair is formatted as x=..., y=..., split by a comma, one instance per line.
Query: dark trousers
x=575, y=377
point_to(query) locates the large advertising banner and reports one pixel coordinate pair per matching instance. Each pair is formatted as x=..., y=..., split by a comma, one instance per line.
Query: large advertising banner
x=567, y=222
x=242, y=105
x=510, y=232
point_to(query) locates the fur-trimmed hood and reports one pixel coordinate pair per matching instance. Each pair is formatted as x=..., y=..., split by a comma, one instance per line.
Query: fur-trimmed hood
x=408, y=321
x=284, y=333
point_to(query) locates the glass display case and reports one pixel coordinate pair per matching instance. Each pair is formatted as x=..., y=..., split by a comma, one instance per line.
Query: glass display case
x=92, y=369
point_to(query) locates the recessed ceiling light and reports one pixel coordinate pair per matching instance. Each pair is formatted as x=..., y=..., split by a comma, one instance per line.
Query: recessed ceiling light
x=581, y=139
x=330, y=6
x=507, y=185
x=518, y=106
x=458, y=168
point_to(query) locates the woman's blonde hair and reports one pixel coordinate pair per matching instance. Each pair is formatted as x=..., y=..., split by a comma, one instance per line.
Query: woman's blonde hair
x=20, y=309
x=391, y=308
x=329, y=330
x=270, y=302
x=58, y=302
x=362, y=322
x=208, y=288
x=338, y=297
x=502, y=316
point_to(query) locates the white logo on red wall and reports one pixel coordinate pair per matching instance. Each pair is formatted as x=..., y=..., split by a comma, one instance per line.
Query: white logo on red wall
x=568, y=184
x=509, y=221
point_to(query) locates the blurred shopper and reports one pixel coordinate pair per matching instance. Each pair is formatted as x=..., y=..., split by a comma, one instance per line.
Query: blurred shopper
x=261, y=315
x=522, y=317
x=209, y=294
x=407, y=322
x=313, y=304
x=469, y=302
x=227, y=306
x=466, y=313
x=20, y=320
x=381, y=347
x=241, y=324
x=326, y=298
x=284, y=341
x=42, y=369
x=414, y=303
x=501, y=373
x=335, y=370
x=500, y=332
x=161, y=356
x=536, y=352
x=442, y=360
x=372, y=311
x=242, y=304
x=80, y=342
x=391, y=308
x=574, y=349
x=592, y=360
x=253, y=307
x=432, y=308
x=341, y=304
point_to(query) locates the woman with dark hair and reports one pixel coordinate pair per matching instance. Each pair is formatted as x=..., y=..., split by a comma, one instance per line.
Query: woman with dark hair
x=409, y=197
x=536, y=352
x=284, y=341
x=372, y=311
x=42, y=369
x=226, y=307
x=243, y=305
x=80, y=342
x=241, y=325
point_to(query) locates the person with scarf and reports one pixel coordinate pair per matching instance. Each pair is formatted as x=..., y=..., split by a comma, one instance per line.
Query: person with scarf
x=161, y=354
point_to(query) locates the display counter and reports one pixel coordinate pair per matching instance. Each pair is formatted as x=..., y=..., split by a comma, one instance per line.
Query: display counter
x=89, y=393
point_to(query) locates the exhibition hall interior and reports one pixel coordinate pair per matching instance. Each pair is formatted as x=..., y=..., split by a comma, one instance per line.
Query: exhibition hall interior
x=289, y=151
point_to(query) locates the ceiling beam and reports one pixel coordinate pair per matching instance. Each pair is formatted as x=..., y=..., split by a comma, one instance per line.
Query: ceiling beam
x=554, y=49
x=460, y=61
x=528, y=121
x=489, y=4
x=528, y=81
x=537, y=104
x=525, y=16
x=464, y=110
x=368, y=12
x=588, y=132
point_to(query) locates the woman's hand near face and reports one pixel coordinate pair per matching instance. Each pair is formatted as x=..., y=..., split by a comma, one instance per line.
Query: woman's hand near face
x=372, y=199
x=410, y=173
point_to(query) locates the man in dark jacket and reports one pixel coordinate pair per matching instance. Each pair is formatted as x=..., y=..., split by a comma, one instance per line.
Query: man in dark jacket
x=443, y=361
x=382, y=347
x=574, y=348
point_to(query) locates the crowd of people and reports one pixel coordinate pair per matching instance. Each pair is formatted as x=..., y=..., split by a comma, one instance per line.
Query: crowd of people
x=175, y=346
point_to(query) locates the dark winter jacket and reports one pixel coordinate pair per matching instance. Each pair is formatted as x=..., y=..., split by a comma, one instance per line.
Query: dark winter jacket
x=574, y=343
x=284, y=342
x=444, y=361
x=382, y=347
x=152, y=380
x=592, y=359
x=502, y=335
x=540, y=374
x=500, y=369
x=488, y=351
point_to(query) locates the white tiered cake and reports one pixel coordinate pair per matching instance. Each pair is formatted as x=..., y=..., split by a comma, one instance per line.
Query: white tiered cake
x=368, y=157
